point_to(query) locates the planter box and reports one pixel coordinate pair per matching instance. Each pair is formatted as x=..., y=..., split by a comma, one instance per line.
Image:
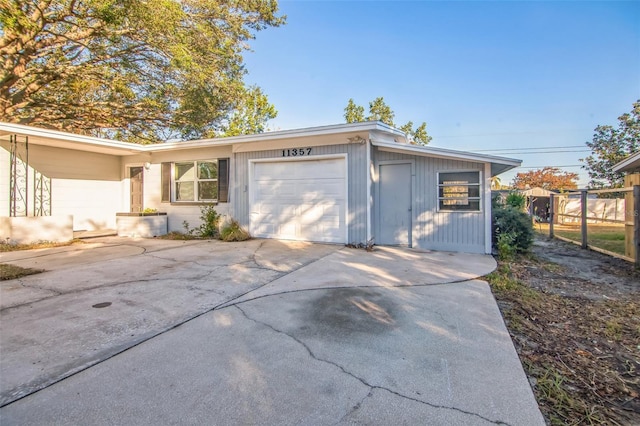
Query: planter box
x=36, y=229
x=145, y=225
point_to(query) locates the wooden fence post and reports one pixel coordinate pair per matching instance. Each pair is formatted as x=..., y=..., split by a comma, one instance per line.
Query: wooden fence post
x=551, y=214
x=636, y=223
x=583, y=215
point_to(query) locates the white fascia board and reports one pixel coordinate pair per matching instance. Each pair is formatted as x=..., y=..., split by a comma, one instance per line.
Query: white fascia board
x=237, y=141
x=62, y=139
x=629, y=164
x=498, y=164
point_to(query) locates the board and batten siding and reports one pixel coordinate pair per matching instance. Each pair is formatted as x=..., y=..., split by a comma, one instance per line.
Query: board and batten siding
x=431, y=229
x=356, y=175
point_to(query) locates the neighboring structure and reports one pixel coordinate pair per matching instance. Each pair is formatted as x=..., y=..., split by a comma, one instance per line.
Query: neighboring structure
x=631, y=166
x=349, y=183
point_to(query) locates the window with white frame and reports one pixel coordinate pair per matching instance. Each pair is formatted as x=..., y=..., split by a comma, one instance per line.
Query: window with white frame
x=196, y=181
x=459, y=191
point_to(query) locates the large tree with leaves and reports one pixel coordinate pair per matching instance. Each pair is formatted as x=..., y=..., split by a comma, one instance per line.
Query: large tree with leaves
x=551, y=178
x=135, y=69
x=610, y=146
x=380, y=111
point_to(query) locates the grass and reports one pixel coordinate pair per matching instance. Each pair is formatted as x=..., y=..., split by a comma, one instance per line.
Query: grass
x=4, y=247
x=11, y=272
x=606, y=237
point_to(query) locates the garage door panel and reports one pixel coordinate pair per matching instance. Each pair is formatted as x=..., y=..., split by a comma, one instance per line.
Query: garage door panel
x=301, y=200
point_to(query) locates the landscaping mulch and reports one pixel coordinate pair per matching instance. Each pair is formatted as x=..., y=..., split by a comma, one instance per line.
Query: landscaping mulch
x=574, y=317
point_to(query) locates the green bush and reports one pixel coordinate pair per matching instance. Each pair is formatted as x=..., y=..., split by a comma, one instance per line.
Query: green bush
x=516, y=201
x=232, y=231
x=512, y=228
x=210, y=222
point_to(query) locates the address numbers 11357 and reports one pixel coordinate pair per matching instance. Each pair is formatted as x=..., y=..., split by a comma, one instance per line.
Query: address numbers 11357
x=296, y=152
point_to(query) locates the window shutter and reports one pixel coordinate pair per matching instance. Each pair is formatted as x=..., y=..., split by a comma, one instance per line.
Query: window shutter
x=166, y=182
x=223, y=180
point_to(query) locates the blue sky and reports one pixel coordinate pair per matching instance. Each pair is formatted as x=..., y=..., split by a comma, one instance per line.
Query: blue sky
x=483, y=75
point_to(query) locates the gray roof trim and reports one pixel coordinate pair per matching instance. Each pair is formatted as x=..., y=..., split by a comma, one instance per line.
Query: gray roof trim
x=498, y=164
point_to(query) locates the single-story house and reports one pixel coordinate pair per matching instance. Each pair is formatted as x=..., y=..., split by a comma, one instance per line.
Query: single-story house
x=348, y=183
x=631, y=164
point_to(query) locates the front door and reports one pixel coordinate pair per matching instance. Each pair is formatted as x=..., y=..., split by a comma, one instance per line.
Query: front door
x=394, y=206
x=136, y=177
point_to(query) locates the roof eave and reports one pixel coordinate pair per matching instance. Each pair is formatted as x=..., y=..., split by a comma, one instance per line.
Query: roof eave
x=57, y=138
x=629, y=164
x=498, y=164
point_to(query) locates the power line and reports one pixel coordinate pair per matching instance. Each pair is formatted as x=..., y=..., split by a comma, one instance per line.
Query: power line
x=545, y=152
x=528, y=149
x=531, y=132
x=557, y=167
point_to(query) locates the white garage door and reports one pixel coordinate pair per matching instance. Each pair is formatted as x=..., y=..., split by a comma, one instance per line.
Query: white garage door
x=299, y=200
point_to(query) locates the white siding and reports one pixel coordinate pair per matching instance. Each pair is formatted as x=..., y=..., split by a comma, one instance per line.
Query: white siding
x=177, y=213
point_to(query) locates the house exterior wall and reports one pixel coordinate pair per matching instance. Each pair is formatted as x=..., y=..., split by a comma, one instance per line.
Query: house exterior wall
x=177, y=213
x=83, y=184
x=356, y=192
x=433, y=229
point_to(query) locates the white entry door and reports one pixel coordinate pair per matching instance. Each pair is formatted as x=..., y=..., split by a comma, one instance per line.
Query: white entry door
x=299, y=200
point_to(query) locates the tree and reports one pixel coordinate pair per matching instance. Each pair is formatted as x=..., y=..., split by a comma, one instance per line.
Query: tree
x=380, y=111
x=551, y=178
x=251, y=115
x=133, y=68
x=610, y=146
x=353, y=113
x=496, y=183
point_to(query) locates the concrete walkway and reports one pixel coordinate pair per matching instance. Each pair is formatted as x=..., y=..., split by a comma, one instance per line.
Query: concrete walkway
x=262, y=332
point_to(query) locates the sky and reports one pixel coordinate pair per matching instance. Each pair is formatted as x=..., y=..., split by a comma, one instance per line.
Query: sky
x=516, y=79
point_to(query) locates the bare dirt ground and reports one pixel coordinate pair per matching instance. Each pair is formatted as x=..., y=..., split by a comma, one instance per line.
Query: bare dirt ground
x=574, y=317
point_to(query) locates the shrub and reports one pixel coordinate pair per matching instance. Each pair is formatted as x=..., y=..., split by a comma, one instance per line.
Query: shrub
x=210, y=222
x=516, y=201
x=232, y=231
x=209, y=227
x=516, y=226
x=505, y=246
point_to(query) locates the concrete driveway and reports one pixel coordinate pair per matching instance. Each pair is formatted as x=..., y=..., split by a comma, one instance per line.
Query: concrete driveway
x=122, y=331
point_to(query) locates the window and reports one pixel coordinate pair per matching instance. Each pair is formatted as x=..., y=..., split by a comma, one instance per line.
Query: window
x=459, y=191
x=196, y=181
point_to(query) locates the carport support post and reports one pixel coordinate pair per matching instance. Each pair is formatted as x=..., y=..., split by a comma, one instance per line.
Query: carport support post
x=583, y=215
x=551, y=213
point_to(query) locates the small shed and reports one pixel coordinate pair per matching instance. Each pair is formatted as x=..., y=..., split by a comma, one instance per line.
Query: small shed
x=538, y=202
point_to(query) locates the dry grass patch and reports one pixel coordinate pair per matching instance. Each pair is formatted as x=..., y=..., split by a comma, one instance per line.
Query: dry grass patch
x=11, y=272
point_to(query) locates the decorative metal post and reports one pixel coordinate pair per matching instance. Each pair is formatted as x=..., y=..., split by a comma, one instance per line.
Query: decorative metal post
x=18, y=177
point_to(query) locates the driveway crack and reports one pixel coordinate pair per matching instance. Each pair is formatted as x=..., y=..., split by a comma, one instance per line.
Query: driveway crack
x=363, y=381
